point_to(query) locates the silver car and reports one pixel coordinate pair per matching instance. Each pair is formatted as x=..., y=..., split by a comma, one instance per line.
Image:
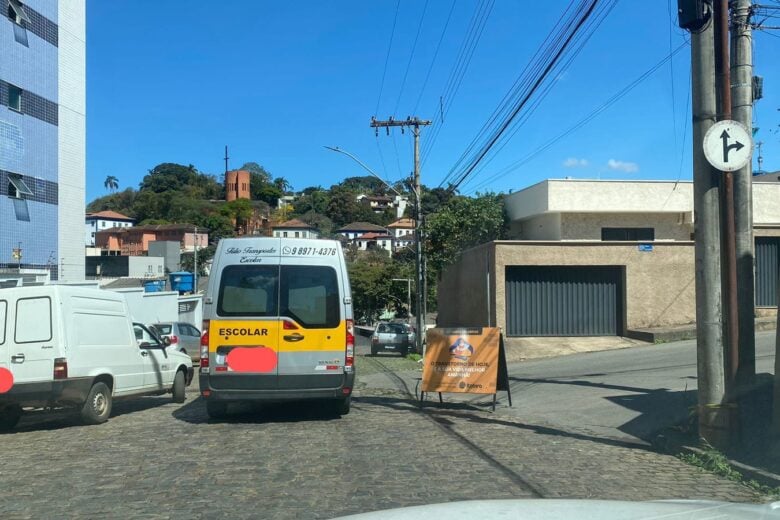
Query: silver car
x=392, y=337
x=183, y=336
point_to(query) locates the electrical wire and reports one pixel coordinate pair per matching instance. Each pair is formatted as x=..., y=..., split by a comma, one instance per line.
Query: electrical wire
x=411, y=56
x=387, y=58
x=552, y=57
x=460, y=67
x=435, y=54
x=584, y=121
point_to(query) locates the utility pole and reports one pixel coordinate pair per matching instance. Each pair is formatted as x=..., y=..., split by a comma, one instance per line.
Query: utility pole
x=195, y=273
x=713, y=424
x=742, y=111
x=728, y=247
x=415, y=124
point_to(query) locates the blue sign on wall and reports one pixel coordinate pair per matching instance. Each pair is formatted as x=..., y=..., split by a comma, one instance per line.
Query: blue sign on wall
x=645, y=248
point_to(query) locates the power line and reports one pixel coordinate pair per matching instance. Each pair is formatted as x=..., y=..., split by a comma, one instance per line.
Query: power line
x=411, y=56
x=557, y=52
x=584, y=121
x=435, y=54
x=459, y=68
x=387, y=58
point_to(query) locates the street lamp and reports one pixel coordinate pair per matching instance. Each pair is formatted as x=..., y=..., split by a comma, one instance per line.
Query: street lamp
x=369, y=170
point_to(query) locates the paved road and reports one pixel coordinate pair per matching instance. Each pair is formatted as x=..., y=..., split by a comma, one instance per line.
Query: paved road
x=156, y=459
x=627, y=394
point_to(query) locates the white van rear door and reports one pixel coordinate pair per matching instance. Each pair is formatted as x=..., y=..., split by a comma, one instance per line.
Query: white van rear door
x=4, y=343
x=32, y=345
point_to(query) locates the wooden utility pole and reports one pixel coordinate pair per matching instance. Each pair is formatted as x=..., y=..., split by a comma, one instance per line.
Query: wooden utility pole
x=415, y=124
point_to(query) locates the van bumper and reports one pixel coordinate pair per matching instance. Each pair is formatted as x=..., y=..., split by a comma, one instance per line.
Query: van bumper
x=66, y=392
x=274, y=394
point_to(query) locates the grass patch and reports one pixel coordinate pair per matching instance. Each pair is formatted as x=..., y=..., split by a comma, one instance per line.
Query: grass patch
x=710, y=459
x=372, y=365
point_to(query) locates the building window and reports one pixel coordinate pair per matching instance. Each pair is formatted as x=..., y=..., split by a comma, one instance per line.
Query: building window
x=297, y=234
x=14, y=98
x=628, y=234
x=16, y=186
x=17, y=13
x=284, y=234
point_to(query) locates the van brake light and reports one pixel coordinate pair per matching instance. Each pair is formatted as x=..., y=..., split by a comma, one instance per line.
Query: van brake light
x=174, y=339
x=349, y=359
x=60, y=368
x=204, y=347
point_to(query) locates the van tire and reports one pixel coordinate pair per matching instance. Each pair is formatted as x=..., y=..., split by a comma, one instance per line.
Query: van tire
x=341, y=406
x=178, y=387
x=97, y=408
x=373, y=351
x=9, y=417
x=216, y=409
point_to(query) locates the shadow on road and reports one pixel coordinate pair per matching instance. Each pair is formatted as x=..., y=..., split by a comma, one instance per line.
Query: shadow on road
x=439, y=413
x=194, y=412
x=40, y=420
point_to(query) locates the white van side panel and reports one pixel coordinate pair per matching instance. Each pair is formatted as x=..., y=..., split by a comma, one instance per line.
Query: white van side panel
x=101, y=341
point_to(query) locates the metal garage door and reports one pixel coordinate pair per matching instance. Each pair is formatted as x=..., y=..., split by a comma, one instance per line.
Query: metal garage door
x=563, y=301
x=766, y=271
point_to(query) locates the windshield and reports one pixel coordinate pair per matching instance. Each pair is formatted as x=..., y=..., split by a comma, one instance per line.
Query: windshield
x=437, y=251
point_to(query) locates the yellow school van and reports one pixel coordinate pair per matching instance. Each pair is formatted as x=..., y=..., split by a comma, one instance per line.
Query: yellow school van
x=277, y=324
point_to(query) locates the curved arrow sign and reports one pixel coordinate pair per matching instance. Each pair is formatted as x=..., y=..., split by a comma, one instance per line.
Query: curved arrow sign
x=728, y=145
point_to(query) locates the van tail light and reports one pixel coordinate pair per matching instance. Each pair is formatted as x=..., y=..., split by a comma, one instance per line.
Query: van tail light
x=174, y=339
x=204, y=347
x=349, y=360
x=60, y=368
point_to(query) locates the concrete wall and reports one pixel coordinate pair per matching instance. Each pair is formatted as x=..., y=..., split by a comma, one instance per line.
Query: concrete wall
x=659, y=285
x=587, y=226
x=465, y=296
x=766, y=206
x=72, y=136
x=541, y=227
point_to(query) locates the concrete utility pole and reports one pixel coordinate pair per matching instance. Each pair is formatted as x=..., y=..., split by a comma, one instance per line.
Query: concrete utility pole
x=195, y=270
x=415, y=123
x=742, y=111
x=713, y=424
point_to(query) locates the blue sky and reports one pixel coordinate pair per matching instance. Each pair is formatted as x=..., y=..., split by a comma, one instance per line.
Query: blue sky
x=175, y=81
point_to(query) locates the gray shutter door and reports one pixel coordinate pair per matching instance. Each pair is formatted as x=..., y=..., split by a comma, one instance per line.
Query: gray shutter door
x=766, y=271
x=563, y=301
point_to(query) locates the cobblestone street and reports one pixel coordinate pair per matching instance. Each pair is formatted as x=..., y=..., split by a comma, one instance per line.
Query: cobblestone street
x=156, y=459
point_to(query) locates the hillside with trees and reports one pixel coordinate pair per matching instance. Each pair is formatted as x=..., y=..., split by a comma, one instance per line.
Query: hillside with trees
x=175, y=193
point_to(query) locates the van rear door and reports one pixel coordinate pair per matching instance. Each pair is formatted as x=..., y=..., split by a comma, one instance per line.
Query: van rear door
x=4, y=343
x=313, y=335
x=32, y=345
x=244, y=333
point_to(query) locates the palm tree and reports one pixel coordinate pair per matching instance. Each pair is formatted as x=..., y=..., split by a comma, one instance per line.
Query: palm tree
x=282, y=184
x=111, y=183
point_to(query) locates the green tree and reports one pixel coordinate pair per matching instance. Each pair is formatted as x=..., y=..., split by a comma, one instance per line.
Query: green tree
x=314, y=201
x=282, y=184
x=121, y=202
x=463, y=222
x=111, y=183
x=257, y=172
x=344, y=208
x=370, y=275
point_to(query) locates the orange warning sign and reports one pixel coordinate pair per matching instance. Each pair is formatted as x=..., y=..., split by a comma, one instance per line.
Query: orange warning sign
x=462, y=360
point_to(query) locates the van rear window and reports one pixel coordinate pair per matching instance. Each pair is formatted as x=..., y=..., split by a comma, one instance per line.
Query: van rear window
x=310, y=296
x=249, y=290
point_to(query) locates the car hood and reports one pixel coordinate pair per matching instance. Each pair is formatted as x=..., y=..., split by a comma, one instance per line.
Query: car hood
x=577, y=509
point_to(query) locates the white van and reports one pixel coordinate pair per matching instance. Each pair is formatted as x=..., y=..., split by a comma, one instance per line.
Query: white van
x=66, y=346
x=277, y=324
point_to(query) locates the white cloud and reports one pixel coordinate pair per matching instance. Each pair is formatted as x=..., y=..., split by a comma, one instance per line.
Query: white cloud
x=623, y=166
x=573, y=162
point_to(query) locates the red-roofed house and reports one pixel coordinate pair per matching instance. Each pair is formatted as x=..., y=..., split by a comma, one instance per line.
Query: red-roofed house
x=368, y=241
x=103, y=220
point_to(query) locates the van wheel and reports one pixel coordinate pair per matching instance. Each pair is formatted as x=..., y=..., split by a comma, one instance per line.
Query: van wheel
x=216, y=409
x=97, y=408
x=373, y=351
x=9, y=417
x=341, y=406
x=178, y=387
x=404, y=351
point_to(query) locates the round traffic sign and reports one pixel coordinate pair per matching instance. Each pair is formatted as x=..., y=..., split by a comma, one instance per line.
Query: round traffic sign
x=728, y=145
